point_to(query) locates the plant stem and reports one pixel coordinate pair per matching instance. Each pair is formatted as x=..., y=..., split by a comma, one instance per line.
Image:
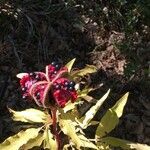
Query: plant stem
x=54, y=118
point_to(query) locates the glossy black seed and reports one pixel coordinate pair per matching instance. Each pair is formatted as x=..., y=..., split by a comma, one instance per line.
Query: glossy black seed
x=57, y=67
x=72, y=83
x=53, y=63
x=24, y=97
x=32, y=74
x=24, y=89
x=71, y=88
x=37, y=77
x=38, y=95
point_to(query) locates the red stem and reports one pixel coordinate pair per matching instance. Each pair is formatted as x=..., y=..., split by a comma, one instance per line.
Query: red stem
x=54, y=118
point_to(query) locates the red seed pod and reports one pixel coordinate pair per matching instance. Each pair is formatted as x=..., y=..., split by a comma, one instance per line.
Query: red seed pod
x=49, y=87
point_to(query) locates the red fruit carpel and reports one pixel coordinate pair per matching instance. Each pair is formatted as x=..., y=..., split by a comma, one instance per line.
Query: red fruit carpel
x=53, y=74
x=39, y=86
x=27, y=81
x=39, y=92
x=63, y=94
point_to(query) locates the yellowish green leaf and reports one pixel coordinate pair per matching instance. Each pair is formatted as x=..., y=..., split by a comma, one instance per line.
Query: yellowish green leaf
x=70, y=115
x=92, y=123
x=107, y=123
x=70, y=64
x=18, y=140
x=86, y=142
x=116, y=142
x=49, y=142
x=37, y=141
x=111, y=118
x=70, y=106
x=119, y=106
x=66, y=147
x=29, y=115
x=103, y=146
x=139, y=146
x=69, y=129
x=85, y=120
x=84, y=92
x=88, y=98
x=88, y=69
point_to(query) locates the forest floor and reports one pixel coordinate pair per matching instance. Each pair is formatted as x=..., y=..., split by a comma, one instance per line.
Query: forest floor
x=122, y=60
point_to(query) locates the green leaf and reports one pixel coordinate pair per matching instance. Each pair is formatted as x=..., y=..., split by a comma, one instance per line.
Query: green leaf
x=88, y=69
x=68, y=128
x=66, y=146
x=16, y=141
x=84, y=92
x=116, y=142
x=107, y=123
x=111, y=118
x=29, y=115
x=70, y=115
x=49, y=142
x=103, y=146
x=37, y=141
x=84, y=121
x=86, y=142
x=119, y=106
x=70, y=106
x=70, y=64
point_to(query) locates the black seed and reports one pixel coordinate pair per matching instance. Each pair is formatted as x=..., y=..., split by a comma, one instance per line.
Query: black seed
x=24, y=89
x=37, y=77
x=38, y=95
x=57, y=67
x=71, y=88
x=32, y=74
x=24, y=97
x=53, y=63
x=72, y=83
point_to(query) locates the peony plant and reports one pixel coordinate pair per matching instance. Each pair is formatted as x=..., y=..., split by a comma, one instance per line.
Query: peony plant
x=57, y=124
